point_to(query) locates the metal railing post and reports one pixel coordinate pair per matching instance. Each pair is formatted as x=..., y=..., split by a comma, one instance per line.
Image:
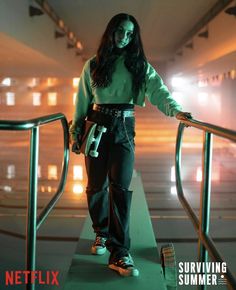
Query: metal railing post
x=180, y=192
x=205, y=199
x=32, y=204
x=45, y=212
x=33, y=223
x=206, y=244
x=205, y=193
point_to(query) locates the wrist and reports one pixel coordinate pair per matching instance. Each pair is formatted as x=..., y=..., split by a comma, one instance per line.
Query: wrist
x=177, y=112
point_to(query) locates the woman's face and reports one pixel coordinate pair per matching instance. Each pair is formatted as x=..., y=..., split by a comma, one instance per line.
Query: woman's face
x=123, y=34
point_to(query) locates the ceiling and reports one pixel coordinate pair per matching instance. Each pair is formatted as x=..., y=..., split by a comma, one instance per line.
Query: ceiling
x=18, y=59
x=164, y=23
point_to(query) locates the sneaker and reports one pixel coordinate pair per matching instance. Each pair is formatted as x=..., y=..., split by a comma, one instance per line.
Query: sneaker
x=99, y=247
x=125, y=266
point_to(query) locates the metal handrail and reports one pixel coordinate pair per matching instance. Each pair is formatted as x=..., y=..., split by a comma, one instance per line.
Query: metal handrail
x=34, y=222
x=205, y=243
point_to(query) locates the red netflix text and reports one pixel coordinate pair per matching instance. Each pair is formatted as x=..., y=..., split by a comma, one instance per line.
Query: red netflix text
x=31, y=277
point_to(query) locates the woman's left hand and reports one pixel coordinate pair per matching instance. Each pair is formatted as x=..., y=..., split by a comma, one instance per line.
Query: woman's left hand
x=183, y=116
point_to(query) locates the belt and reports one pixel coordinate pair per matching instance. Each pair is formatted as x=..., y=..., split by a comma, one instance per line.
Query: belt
x=113, y=112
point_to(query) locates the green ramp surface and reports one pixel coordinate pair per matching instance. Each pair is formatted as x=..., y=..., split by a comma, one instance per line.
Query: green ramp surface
x=89, y=272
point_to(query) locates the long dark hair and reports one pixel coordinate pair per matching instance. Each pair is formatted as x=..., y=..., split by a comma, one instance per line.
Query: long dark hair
x=102, y=66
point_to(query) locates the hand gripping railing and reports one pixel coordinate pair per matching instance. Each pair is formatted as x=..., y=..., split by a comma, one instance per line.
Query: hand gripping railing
x=34, y=222
x=205, y=243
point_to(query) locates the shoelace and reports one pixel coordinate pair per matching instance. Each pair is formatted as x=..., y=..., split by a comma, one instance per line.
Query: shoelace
x=126, y=261
x=100, y=241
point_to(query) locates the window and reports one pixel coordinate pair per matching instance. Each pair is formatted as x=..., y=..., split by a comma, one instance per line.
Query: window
x=6, y=82
x=52, y=99
x=51, y=82
x=33, y=82
x=11, y=171
x=37, y=99
x=10, y=99
x=52, y=172
x=77, y=172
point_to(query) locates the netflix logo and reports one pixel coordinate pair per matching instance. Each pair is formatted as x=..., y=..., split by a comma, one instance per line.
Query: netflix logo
x=31, y=277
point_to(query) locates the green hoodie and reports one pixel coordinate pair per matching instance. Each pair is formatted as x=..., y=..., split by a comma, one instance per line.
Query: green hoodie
x=120, y=91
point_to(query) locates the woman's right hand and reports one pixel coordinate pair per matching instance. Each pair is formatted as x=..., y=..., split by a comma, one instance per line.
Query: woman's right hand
x=75, y=137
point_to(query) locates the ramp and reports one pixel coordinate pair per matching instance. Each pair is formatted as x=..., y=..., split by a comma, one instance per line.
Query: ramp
x=89, y=272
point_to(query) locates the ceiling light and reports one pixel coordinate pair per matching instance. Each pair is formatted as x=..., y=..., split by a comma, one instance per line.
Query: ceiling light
x=71, y=35
x=6, y=82
x=79, y=45
x=61, y=24
x=177, y=82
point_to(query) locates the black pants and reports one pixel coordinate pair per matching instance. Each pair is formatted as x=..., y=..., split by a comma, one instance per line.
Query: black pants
x=109, y=177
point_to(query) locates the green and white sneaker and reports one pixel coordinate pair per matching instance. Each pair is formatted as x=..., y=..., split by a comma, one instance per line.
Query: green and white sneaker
x=99, y=247
x=125, y=266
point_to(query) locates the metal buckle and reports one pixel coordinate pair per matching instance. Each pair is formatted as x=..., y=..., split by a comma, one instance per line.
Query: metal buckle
x=117, y=113
x=128, y=114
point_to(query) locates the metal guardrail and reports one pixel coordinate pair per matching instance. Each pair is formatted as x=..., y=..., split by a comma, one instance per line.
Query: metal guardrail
x=205, y=243
x=34, y=222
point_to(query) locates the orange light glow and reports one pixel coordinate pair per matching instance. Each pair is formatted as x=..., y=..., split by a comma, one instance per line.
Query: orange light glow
x=78, y=189
x=76, y=82
x=52, y=172
x=71, y=35
x=74, y=98
x=7, y=188
x=79, y=45
x=7, y=82
x=11, y=171
x=199, y=174
x=36, y=98
x=173, y=190
x=78, y=172
x=10, y=98
x=52, y=99
x=33, y=83
x=177, y=82
x=61, y=23
x=203, y=98
x=172, y=178
x=39, y=171
x=51, y=82
x=178, y=96
x=215, y=175
x=233, y=74
x=202, y=83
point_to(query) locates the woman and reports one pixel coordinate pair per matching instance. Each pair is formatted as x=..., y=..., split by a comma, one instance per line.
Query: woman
x=111, y=83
